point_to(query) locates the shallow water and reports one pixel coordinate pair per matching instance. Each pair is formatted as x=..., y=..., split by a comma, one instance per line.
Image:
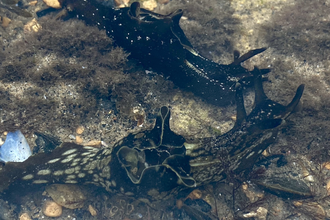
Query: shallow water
x=68, y=75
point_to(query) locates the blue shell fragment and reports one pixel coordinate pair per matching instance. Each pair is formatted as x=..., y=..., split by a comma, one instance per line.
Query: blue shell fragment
x=15, y=148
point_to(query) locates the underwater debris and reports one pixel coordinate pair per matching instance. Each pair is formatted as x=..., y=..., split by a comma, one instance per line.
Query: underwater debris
x=15, y=148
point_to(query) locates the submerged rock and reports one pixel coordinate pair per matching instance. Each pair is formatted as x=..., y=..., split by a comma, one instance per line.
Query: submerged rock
x=52, y=209
x=68, y=196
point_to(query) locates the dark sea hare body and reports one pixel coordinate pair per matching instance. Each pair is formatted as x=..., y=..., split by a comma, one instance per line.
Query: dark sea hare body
x=158, y=162
x=158, y=43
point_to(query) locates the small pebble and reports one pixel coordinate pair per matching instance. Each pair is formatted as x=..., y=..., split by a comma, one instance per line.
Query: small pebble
x=52, y=209
x=79, y=139
x=265, y=153
x=5, y=21
x=53, y=3
x=92, y=210
x=33, y=3
x=80, y=129
x=25, y=216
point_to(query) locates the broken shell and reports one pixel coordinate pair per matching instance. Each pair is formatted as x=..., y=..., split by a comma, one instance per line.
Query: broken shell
x=32, y=25
x=307, y=176
x=261, y=214
x=286, y=187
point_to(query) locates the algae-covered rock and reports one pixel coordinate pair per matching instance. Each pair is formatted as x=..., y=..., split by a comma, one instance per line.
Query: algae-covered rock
x=68, y=196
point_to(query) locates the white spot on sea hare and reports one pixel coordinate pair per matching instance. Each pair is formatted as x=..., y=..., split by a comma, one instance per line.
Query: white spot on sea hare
x=81, y=175
x=27, y=177
x=69, y=152
x=69, y=171
x=68, y=159
x=44, y=172
x=71, y=177
x=40, y=181
x=54, y=160
x=58, y=172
